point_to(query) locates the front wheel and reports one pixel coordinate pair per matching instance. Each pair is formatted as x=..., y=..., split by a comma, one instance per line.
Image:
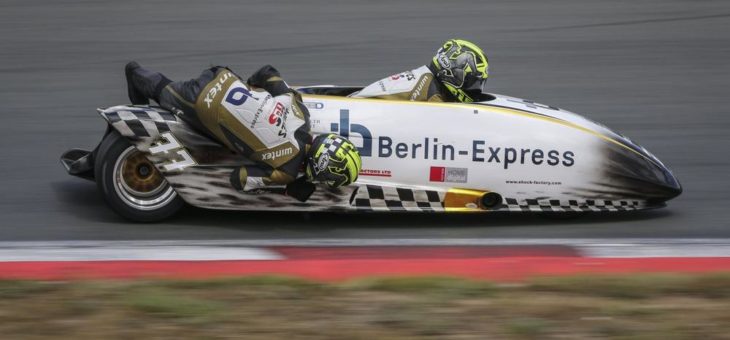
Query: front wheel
x=131, y=184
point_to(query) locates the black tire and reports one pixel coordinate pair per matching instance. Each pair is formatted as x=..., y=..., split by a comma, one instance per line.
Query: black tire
x=110, y=164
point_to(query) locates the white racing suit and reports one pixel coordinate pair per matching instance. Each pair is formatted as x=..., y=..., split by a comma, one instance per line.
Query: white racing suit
x=418, y=85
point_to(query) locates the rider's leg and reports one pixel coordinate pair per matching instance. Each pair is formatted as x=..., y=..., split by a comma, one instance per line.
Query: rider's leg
x=143, y=84
x=180, y=97
x=177, y=96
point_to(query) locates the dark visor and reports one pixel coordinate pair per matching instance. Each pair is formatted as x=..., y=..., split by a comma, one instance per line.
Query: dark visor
x=473, y=83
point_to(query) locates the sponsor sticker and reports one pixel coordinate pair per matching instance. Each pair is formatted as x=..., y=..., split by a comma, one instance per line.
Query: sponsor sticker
x=382, y=86
x=276, y=114
x=272, y=155
x=375, y=173
x=444, y=60
x=432, y=148
x=408, y=75
x=446, y=174
x=322, y=163
x=314, y=105
x=259, y=111
x=419, y=88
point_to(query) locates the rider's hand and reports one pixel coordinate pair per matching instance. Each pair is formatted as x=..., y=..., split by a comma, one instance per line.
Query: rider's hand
x=269, y=79
x=260, y=77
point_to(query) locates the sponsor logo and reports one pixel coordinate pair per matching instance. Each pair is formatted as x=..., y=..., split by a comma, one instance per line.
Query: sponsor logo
x=407, y=75
x=445, y=174
x=376, y=173
x=259, y=111
x=510, y=155
x=322, y=163
x=283, y=130
x=444, y=60
x=382, y=86
x=276, y=116
x=419, y=88
x=534, y=182
x=345, y=129
x=314, y=105
x=237, y=96
x=272, y=155
x=477, y=151
x=216, y=89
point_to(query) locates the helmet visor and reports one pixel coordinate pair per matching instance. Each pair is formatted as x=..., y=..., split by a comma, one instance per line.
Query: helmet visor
x=473, y=83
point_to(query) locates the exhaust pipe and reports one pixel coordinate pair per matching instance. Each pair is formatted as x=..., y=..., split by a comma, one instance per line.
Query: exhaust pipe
x=471, y=200
x=491, y=200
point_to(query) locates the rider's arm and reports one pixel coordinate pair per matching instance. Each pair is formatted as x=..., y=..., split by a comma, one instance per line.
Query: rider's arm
x=437, y=93
x=283, y=179
x=261, y=175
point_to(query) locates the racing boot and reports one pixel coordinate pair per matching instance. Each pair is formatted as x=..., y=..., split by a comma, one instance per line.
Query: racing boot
x=135, y=96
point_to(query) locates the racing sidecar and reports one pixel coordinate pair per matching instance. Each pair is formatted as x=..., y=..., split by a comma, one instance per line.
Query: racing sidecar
x=498, y=154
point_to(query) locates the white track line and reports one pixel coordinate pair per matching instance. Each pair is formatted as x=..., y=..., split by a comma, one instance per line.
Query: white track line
x=256, y=249
x=376, y=242
x=131, y=253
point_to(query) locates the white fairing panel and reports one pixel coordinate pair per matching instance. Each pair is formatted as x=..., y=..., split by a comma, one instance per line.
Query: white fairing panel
x=484, y=148
x=519, y=149
x=564, y=115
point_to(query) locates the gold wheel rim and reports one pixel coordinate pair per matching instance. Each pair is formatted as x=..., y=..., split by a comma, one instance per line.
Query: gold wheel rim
x=140, y=175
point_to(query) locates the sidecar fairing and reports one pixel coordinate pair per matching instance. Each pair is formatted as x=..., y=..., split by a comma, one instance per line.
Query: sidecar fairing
x=500, y=154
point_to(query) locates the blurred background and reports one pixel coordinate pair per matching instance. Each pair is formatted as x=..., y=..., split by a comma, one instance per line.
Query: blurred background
x=656, y=71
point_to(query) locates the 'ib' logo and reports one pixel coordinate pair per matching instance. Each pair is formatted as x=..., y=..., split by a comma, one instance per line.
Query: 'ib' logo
x=344, y=128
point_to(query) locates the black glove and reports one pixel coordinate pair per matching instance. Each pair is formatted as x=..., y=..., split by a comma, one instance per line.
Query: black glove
x=263, y=74
x=300, y=189
x=263, y=79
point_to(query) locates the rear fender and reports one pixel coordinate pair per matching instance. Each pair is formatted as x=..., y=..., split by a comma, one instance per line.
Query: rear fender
x=162, y=134
x=139, y=122
x=136, y=123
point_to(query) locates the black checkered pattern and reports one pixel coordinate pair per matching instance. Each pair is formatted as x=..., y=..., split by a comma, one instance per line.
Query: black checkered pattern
x=332, y=143
x=552, y=205
x=133, y=121
x=378, y=198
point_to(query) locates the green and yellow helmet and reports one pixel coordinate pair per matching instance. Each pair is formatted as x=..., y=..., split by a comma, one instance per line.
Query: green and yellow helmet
x=462, y=68
x=333, y=160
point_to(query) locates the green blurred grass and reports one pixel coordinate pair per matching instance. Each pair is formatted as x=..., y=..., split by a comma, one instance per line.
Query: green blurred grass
x=639, y=286
x=163, y=303
x=667, y=306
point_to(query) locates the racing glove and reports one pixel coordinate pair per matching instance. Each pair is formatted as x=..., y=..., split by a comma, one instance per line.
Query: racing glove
x=269, y=79
x=300, y=188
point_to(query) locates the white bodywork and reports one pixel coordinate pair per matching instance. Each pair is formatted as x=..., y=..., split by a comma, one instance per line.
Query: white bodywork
x=422, y=156
x=497, y=146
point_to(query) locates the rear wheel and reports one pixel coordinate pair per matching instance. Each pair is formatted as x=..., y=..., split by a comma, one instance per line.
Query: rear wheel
x=131, y=184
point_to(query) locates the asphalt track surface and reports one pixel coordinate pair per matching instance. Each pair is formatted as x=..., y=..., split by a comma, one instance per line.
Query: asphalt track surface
x=656, y=71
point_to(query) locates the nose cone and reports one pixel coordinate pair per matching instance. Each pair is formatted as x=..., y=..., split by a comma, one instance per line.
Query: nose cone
x=666, y=186
x=671, y=184
x=637, y=173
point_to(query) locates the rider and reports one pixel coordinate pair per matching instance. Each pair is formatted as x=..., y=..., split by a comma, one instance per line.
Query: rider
x=459, y=68
x=262, y=119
